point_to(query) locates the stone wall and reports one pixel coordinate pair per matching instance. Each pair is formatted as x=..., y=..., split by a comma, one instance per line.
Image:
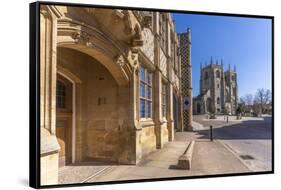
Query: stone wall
x=163, y=63
x=148, y=139
x=165, y=133
x=148, y=47
x=49, y=169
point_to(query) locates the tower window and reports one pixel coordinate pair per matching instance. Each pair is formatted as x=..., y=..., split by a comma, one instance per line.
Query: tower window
x=218, y=74
x=233, y=78
x=218, y=100
x=206, y=75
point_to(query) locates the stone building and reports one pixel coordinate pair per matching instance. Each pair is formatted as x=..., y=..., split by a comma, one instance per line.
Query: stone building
x=218, y=90
x=186, y=78
x=109, y=80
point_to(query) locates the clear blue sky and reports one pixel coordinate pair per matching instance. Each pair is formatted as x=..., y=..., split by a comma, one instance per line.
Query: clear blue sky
x=245, y=42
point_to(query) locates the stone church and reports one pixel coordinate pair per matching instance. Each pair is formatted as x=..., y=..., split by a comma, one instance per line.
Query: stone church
x=109, y=85
x=218, y=90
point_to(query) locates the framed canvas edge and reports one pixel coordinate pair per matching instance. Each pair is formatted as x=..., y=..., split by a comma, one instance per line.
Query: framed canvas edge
x=34, y=94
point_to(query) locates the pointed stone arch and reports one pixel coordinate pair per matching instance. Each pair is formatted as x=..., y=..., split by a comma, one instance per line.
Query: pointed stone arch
x=95, y=43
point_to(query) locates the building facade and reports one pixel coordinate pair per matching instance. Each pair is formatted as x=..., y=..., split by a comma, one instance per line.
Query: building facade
x=108, y=83
x=186, y=78
x=218, y=90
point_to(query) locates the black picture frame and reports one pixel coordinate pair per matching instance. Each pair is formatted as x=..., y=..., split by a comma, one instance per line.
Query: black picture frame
x=34, y=91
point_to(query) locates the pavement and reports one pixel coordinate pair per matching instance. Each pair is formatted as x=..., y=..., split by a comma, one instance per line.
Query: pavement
x=208, y=158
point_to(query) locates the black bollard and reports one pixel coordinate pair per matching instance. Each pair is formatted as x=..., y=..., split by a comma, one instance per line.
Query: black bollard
x=211, y=133
x=226, y=119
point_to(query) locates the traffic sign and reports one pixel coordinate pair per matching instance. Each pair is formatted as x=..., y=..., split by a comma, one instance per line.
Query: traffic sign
x=186, y=103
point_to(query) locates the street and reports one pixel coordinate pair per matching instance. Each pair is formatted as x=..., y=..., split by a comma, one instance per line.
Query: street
x=249, y=139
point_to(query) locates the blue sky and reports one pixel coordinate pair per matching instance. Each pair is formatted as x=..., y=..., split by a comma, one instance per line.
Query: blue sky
x=244, y=42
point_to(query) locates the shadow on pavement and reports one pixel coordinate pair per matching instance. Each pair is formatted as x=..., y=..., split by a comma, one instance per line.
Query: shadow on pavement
x=251, y=129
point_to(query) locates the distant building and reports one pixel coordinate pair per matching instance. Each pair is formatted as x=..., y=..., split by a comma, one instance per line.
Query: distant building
x=218, y=90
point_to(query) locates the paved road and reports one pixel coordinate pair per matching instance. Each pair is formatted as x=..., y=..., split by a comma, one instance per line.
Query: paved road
x=249, y=140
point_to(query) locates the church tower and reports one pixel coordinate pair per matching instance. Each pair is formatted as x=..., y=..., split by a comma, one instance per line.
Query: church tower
x=231, y=89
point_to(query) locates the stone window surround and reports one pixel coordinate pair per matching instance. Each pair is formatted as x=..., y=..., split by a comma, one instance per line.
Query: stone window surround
x=164, y=99
x=146, y=100
x=218, y=74
x=61, y=95
x=163, y=32
x=206, y=75
x=233, y=77
x=218, y=100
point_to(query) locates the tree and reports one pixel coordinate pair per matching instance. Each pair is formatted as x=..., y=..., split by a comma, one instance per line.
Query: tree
x=262, y=98
x=249, y=99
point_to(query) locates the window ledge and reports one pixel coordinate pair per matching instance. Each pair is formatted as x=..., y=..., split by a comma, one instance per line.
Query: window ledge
x=164, y=120
x=147, y=123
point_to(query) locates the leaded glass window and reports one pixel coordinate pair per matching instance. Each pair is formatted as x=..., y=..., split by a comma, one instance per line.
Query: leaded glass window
x=145, y=93
x=61, y=92
x=164, y=100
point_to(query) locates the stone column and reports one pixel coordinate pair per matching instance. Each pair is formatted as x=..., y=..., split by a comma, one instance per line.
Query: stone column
x=157, y=84
x=170, y=115
x=48, y=71
x=136, y=129
x=157, y=108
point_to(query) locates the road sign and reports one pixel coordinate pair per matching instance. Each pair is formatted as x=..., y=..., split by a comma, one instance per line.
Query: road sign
x=186, y=103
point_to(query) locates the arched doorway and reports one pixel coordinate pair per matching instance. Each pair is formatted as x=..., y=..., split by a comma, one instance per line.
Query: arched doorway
x=198, y=108
x=64, y=119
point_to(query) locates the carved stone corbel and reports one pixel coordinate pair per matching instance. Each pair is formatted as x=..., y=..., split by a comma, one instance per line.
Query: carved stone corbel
x=82, y=38
x=119, y=60
x=118, y=14
x=128, y=22
x=132, y=59
x=137, y=38
x=147, y=22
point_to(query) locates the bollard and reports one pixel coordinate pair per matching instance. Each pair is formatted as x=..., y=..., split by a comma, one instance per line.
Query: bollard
x=211, y=133
x=226, y=119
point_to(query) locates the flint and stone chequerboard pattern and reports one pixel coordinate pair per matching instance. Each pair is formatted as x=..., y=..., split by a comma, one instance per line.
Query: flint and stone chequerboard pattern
x=186, y=77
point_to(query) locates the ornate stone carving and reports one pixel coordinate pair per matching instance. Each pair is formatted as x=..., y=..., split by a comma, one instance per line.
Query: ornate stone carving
x=147, y=22
x=137, y=38
x=132, y=58
x=118, y=14
x=82, y=38
x=128, y=23
x=120, y=60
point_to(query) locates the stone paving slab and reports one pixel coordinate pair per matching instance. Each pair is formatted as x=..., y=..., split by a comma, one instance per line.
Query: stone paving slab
x=79, y=172
x=208, y=158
